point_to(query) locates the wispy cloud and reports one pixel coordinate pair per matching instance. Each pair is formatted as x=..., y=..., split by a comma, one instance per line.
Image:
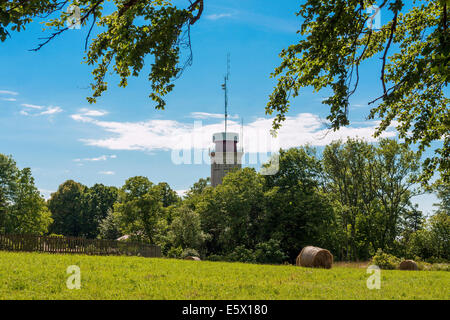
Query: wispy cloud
x=13, y=93
x=358, y=105
x=264, y=21
x=108, y=173
x=92, y=112
x=9, y=99
x=51, y=110
x=32, y=110
x=217, y=16
x=259, y=20
x=206, y=115
x=32, y=106
x=101, y=158
x=153, y=135
x=85, y=114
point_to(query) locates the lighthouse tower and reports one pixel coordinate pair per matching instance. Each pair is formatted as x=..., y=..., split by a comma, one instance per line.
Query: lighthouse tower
x=225, y=156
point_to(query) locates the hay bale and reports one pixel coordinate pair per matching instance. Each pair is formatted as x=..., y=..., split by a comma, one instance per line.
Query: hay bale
x=314, y=257
x=192, y=258
x=408, y=265
x=124, y=238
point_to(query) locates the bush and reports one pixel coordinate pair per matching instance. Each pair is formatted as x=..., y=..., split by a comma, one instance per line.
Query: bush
x=270, y=252
x=385, y=261
x=175, y=252
x=189, y=252
x=54, y=235
x=427, y=266
x=242, y=254
x=440, y=267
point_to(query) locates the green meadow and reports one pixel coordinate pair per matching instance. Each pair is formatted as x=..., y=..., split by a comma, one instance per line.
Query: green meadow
x=44, y=276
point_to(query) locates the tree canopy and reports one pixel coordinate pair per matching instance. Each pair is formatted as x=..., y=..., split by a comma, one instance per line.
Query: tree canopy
x=22, y=208
x=336, y=40
x=354, y=198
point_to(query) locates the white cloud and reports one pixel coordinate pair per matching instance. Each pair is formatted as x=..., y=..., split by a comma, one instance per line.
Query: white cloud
x=101, y=158
x=9, y=99
x=13, y=93
x=46, y=193
x=92, y=112
x=108, y=173
x=181, y=193
x=47, y=110
x=153, y=135
x=206, y=115
x=84, y=114
x=51, y=110
x=217, y=16
x=32, y=106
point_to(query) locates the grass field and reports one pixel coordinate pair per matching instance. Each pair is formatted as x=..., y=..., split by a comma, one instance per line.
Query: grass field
x=43, y=276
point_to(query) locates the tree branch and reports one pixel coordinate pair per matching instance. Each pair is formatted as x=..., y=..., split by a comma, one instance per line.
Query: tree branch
x=89, y=33
x=193, y=7
x=82, y=19
x=391, y=36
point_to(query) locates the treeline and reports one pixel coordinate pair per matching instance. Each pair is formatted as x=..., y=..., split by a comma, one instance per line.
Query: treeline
x=353, y=199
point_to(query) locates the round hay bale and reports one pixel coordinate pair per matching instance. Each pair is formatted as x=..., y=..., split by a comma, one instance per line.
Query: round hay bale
x=314, y=257
x=192, y=258
x=408, y=265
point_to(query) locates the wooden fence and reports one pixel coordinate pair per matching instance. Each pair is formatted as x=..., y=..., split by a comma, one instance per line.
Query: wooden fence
x=77, y=246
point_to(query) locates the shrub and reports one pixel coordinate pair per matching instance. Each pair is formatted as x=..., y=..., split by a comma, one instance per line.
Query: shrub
x=270, y=252
x=54, y=235
x=440, y=267
x=426, y=266
x=385, y=260
x=189, y=252
x=175, y=252
x=242, y=254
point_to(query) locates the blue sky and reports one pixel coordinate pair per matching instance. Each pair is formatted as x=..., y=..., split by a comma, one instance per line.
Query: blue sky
x=47, y=124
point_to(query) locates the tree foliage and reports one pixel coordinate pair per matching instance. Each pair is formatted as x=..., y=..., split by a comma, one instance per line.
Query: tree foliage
x=22, y=208
x=354, y=199
x=139, y=209
x=298, y=213
x=336, y=40
x=66, y=208
x=371, y=188
x=133, y=31
x=78, y=210
x=97, y=201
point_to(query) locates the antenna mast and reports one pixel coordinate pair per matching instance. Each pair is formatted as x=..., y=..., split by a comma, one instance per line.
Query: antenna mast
x=225, y=87
x=242, y=134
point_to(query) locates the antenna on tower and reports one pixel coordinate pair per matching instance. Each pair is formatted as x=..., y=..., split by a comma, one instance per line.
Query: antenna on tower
x=225, y=87
x=242, y=134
